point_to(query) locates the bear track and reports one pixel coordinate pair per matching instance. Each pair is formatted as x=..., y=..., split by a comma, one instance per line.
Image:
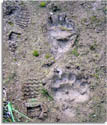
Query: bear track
x=61, y=33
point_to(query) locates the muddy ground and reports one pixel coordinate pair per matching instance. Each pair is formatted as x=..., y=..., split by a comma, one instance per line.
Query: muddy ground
x=54, y=60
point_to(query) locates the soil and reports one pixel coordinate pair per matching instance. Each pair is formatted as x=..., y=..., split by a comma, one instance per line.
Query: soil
x=54, y=60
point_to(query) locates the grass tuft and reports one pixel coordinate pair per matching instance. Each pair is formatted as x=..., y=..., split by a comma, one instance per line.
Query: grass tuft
x=47, y=56
x=93, y=47
x=10, y=23
x=35, y=53
x=42, y=4
x=46, y=94
x=75, y=52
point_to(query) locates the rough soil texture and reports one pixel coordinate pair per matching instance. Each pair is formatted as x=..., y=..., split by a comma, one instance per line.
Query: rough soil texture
x=71, y=62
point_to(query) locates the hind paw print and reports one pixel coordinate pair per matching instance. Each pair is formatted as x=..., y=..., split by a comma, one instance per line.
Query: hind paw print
x=62, y=33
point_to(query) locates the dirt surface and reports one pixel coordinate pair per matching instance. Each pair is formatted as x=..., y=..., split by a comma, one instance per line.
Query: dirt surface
x=54, y=60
